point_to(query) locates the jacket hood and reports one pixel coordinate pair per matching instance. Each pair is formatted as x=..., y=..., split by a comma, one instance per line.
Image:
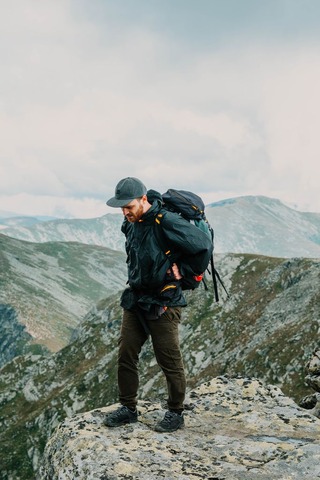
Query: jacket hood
x=156, y=205
x=153, y=196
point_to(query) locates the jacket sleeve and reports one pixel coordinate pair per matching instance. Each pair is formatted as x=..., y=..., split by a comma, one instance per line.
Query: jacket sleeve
x=191, y=246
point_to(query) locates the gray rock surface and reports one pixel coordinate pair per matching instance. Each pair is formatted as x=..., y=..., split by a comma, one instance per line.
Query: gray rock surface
x=236, y=428
x=312, y=402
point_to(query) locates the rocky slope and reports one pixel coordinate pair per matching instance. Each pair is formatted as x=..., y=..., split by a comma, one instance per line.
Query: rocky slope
x=312, y=402
x=52, y=285
x=267, y=329
x=262, y=225
x=236, y=429
x=14, y=339
x=250, y=224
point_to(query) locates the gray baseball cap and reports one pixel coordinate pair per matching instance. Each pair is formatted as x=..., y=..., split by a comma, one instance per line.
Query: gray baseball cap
x=127, y=190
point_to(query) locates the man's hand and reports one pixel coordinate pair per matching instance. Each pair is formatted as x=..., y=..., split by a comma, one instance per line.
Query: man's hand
x=176, y=272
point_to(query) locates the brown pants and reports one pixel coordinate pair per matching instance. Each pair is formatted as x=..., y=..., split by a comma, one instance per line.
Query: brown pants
x=165, y=340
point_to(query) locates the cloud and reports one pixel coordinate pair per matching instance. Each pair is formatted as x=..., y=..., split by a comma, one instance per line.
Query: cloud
x=60, y=206
x=92, y=94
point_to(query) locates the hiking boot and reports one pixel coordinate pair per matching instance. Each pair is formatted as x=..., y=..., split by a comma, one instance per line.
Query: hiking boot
x=121, y=416
x=171, y=421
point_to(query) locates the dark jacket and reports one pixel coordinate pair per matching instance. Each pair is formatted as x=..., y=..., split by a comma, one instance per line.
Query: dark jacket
x=152, y=247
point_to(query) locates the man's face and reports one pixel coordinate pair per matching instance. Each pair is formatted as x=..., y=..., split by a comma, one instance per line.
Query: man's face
x=134, y=210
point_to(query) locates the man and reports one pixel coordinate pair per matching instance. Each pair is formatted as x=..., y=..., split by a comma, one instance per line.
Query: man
x=152, y=303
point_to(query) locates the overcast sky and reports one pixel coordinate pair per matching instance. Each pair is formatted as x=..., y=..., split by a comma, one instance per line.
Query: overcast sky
x=220, y=97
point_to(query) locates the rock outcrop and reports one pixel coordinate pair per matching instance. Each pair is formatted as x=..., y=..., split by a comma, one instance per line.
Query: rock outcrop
x=236, y=428
x=312, y=402
x=13, y=337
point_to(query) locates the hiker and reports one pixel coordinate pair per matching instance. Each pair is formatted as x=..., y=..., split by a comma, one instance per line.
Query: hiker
x=152, y=302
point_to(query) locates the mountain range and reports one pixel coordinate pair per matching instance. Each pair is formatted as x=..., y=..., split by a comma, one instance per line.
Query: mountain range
x=249, y=224
x=60, y=286
x=267, y=329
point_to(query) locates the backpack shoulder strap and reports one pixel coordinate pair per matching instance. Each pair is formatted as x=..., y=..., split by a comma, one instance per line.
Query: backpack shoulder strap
x=159, y=233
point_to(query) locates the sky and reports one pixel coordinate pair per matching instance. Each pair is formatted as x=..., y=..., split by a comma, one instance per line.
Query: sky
x=220, y=97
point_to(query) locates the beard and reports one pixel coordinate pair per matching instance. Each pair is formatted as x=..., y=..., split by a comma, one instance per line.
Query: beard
x=135, y=216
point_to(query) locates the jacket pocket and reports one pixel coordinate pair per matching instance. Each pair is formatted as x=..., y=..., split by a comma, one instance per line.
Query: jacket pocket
x=169, y=291
x=128, y=299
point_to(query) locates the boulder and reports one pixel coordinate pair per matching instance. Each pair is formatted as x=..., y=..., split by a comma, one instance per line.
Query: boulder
x=312, y=402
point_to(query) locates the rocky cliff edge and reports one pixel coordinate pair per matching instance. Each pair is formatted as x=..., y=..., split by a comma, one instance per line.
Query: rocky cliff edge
x=236, y=428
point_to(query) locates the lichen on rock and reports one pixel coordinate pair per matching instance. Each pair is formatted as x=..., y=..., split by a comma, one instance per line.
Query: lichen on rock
x=236, y=428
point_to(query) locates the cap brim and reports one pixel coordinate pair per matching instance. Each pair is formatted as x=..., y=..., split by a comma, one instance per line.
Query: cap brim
x=114, y=202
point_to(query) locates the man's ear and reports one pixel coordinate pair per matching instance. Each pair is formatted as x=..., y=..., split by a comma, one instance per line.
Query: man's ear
x=145, y=203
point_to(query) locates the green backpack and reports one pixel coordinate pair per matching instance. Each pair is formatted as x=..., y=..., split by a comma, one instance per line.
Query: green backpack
x=191, y=207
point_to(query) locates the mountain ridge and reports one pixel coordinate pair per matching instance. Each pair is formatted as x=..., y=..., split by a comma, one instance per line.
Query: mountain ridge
x=265, y=226
x=247, y=224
